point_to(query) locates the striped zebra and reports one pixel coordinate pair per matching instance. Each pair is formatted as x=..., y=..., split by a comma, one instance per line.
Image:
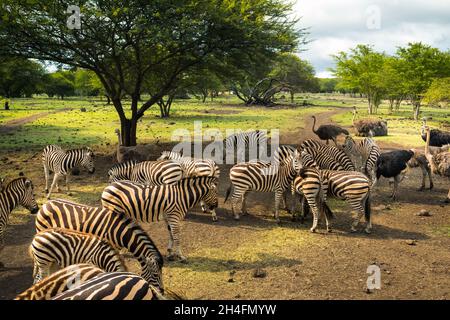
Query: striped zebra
x=60, y=162
x=249, y=140
x=322, y=160
x=312, y=187
x=193, y=167
x=65, y=247
x=367, y=152
x=113, y=286
x=263, y=177
x=17, y=192
x=320, y=150
x=121, y=171
x=119, y=230
x=354, y=188
x=171, y=202
x=60, y=281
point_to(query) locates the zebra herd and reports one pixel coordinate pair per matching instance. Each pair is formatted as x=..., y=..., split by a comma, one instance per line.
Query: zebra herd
x=85, y=240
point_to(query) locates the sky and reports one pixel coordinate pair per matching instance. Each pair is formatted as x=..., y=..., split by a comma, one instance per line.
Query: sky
x=338, y=25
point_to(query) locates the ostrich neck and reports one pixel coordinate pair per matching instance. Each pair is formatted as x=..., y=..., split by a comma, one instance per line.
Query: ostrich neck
x=314, y=125
x=354, y=118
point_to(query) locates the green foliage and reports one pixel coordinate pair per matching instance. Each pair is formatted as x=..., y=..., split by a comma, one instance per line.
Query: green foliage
x=20, y=77
x=439, y=91
x=60, y=83
x=328, y=85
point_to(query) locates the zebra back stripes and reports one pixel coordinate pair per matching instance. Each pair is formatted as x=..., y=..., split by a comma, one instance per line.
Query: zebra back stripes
x=321, y=150
x=121, y=171
x=193, y=167
x=321, y=160
x=249, y=140
x=157, y=172
x=17, y=192
x=60, y=281
x=118, y=229
x=65, y=247
x=112, y=286
x=152, y=203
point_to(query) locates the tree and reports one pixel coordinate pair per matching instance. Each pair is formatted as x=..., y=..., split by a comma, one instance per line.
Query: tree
x=393, y=83
x=327, y=85
x=361, y=69
x=60, y=84
x=86, y=83
x=126, y=42
x=296, y=74
x=420, y=64
x=20, y=77
x=439, y=91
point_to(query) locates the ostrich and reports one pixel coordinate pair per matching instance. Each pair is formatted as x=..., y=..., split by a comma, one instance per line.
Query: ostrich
x=368, y=127
x=328, y=131
x=138, y=153
x=438, y=138
x=391, y=165
x=439, y=163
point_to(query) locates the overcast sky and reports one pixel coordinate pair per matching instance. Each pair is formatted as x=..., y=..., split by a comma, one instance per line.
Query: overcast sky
x=337, y=25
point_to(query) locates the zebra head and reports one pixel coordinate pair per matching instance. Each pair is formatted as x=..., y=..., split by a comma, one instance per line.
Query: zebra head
x=296, y=161
x=23, y=187
x=88, y=160
x=349, y=146
x=152, y=272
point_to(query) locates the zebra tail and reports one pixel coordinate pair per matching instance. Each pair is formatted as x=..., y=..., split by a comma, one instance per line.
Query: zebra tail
x=327, y=211
x=228, y=193
x=367, y=209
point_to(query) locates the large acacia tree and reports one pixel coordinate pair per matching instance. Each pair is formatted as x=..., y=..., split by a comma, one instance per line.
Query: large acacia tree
x=125, y=42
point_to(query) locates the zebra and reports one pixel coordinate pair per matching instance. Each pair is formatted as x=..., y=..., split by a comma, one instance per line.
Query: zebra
x=17, y=192
x=66, y=247
x=116, y=228
x=59, y=161
x=311, y=185
x=246, y=140
x=322, y=160
x=367, y=151
x=353, y=187
x=121, y=171
x=320, y=150
x=113, y=286
x=60, y=281
x=263, y=177
x=157, y=172
x=171, y=202
x=193, y=167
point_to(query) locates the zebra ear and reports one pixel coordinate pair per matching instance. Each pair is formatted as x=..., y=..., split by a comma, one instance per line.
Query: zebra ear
x=28, y=183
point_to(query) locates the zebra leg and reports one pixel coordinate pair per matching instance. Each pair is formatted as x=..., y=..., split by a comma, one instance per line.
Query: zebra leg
x=284, y=199
x=67, y=184
x=315, y=216
x=175, y=229
x=55, y=181
x=360, y=212
x=244, y=204
x=2, y=245
x=47, y=177
x=170, y=246
x=278, y=197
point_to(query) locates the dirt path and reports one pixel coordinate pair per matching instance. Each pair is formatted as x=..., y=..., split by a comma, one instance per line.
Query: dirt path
x=411, y=251
x=12, y=125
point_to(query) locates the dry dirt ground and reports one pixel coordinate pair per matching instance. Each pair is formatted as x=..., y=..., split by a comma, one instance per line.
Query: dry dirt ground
x=412, y=251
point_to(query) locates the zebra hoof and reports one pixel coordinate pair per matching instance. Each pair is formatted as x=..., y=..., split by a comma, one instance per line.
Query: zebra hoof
x=368, y=231
x=353, y=230
x=312, y=230
x=214, y=219
x=236, y=218
x=329, y=230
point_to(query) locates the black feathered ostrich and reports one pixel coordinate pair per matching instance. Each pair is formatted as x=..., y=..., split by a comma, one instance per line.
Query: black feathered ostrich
x=328, y=131
x=438, y=138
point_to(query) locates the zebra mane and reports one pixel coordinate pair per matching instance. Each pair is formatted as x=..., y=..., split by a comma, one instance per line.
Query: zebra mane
x=15, y=181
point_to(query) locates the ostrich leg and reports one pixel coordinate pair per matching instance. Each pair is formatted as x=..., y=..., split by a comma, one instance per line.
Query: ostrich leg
x=397, y=180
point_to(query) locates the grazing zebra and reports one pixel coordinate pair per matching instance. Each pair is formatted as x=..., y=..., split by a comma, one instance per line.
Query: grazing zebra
x=263, y=177
x=121, y=171
x=66, y=247
x=367, y=151
x=311, y=185
x=60, y=281
x=60, y=162
x=17, y=192
x=119, y=230
x=113, y=286
x=171, y=202
x=322, y=160
x=322, y=150
x=242, y=141
x=354, y=188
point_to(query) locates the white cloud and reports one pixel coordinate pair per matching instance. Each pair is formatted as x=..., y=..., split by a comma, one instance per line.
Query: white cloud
x=340, y=25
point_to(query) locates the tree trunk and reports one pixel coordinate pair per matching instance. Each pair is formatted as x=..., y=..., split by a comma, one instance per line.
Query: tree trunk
x=292, y=96
x=128, y=130
x=108, y=100
x=6, y=105
x=391, y=105
x=416, y=110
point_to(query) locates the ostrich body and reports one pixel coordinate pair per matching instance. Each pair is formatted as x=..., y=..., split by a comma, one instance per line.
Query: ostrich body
x=368, y=127
x=328, y=131
x=439, y=163
x=438, y=138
